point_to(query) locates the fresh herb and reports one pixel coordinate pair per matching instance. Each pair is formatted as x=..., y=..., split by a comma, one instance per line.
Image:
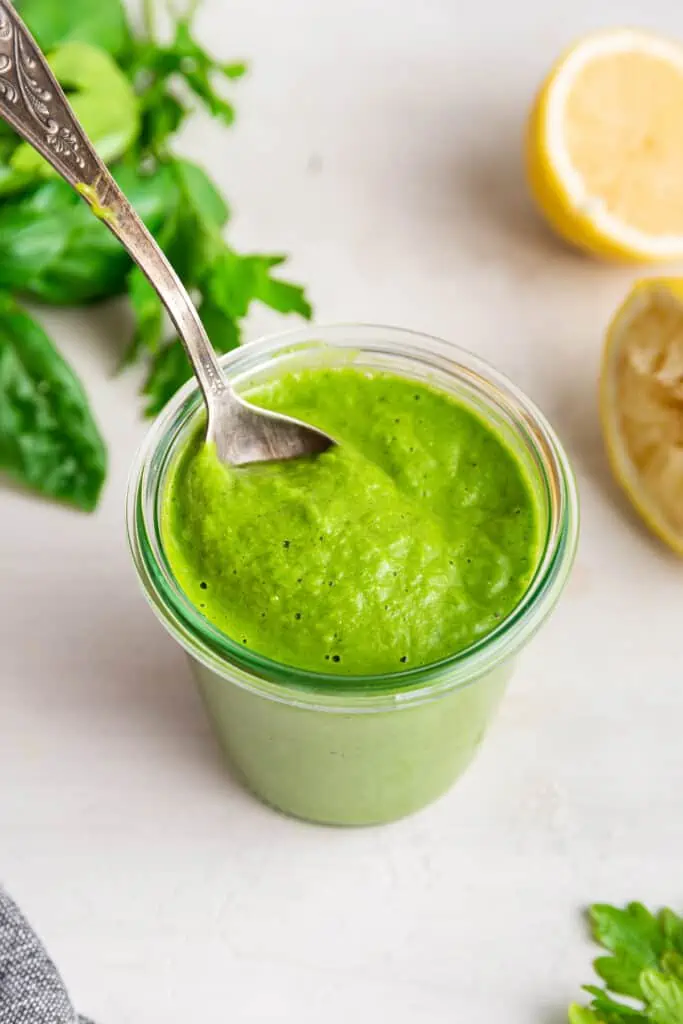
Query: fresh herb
x=100, y=24
x=52, y=248
x=48, y=438
x=645, y=965
x=229, y=284
x=157, y=70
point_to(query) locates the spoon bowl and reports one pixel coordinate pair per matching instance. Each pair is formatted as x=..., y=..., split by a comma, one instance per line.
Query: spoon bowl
x=33, y=103
x=243, y=433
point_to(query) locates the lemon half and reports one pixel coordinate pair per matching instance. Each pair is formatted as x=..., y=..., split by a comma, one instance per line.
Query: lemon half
x=641, y=403
x=605, y=146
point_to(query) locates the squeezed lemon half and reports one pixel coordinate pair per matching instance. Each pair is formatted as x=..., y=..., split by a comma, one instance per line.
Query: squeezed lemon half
x=641, y=403
x=605, y=146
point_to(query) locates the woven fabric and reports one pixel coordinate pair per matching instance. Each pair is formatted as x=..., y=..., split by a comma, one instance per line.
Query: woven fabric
x=31, y=990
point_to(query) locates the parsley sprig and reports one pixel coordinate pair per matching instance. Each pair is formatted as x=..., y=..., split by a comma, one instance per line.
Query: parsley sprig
x=642, y=973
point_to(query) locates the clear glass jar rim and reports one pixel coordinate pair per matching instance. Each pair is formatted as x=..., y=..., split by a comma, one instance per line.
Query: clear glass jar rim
x=347, y=693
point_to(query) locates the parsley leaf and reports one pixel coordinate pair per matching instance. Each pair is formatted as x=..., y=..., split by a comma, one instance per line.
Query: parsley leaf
x=582, y=1015
x=645, y=965
x=664, y=995
x=233, y=282
x=157, y=70
x=229, y=285
x=634, y=937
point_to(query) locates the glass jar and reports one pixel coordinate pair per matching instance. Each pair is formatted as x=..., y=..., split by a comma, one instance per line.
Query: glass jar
x=356, y=750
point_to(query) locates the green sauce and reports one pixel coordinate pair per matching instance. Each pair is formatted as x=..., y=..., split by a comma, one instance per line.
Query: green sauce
x=406, y=543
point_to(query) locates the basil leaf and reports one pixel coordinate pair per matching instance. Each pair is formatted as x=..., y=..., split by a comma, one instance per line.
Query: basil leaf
x=59, y=21
x=53, y=249
x=103, y=100
x=48, y=438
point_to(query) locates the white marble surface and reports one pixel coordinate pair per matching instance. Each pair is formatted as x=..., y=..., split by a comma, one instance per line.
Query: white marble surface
x=379, y=142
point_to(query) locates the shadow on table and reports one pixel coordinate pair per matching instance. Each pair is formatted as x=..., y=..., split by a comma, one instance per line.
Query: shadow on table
x=558, y=1016
x=108, y=668
x=489, y=172
x=572, y=408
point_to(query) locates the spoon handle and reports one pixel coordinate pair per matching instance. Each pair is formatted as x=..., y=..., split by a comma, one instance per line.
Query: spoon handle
x=32, y=101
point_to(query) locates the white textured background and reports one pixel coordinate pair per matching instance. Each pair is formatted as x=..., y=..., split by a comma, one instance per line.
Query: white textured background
x=379, y=142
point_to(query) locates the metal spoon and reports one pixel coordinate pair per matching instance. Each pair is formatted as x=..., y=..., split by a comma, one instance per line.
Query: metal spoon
x=32, y=101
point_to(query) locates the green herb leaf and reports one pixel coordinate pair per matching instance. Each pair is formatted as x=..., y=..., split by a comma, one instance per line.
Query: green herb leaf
x=199, y=192
x=612, y=1010
x=201, y=212
x=198, y=69
x=48, y=438
x=672, y=928
x=228, y=285
x=201, y=215
x=282, y=296
x=635, y=938
x=582, y=1015
x=148, y=314
x=226, y=282
x=100, y=24
x=169, y=370
x=148, y=310
x=232, y=282
x=53, y=248
x=156, y=69
x=225, y=331
x=161, y=114
x=664, y=996
x=646, y=964
x=102, y=98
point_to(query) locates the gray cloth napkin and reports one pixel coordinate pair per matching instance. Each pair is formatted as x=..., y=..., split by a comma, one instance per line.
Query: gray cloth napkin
x=31, y=990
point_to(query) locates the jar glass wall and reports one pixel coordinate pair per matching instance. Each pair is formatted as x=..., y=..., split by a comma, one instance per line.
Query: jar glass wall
x=356, y=749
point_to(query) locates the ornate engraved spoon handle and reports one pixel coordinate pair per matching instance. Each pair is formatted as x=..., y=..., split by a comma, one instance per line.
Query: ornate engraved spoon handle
x=33, y=102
